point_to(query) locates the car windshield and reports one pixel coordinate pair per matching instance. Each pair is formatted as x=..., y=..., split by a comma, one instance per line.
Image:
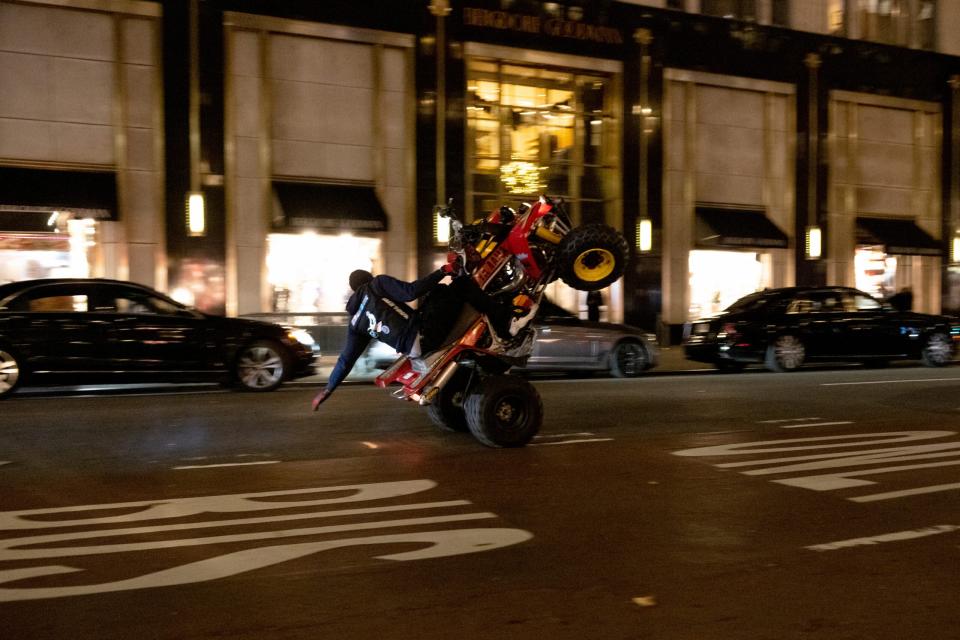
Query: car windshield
x=748, y=302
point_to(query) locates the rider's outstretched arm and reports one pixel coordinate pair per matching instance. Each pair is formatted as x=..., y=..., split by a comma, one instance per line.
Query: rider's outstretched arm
x=407, y=291
x=352, y=350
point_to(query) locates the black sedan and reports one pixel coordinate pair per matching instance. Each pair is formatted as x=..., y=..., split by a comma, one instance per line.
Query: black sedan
x=784, y=328
x=87, y=331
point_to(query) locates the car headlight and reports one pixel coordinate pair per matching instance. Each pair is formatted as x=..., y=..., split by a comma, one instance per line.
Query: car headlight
x=302, y=336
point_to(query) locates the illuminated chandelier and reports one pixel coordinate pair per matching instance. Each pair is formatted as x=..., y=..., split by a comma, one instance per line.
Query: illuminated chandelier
x=522, y=177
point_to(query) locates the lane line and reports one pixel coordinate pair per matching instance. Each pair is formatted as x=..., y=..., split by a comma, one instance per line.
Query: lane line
x=897, y=536
x=840, y=384
x=563, y=435
x=786, y=420
x=226, y=464
x=546, y=444
x=3, y=462
x=814, y=424
x=908, y=492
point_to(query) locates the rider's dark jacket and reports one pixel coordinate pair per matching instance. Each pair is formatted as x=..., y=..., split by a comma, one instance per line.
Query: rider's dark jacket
x=378, y=310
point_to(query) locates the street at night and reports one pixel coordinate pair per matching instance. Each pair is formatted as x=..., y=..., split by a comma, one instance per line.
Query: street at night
x=819, y=504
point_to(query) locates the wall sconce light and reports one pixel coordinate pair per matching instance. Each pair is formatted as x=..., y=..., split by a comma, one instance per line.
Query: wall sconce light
x=441, y=229
x=196, y=216
x=814, y=243
x=644, y=235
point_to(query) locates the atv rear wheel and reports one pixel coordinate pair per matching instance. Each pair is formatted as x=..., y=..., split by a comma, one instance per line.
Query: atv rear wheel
x=446, y=411
x=506, y=411
x=592, y=257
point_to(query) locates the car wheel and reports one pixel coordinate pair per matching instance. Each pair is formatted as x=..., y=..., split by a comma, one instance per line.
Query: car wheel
x=261, y=366
x=506, y=411
x=785, y=353
x=938, y=350
x=628, y=360
x=10, y=372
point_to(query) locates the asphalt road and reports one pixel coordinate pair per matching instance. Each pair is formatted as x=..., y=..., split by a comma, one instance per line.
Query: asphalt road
x=821, y=504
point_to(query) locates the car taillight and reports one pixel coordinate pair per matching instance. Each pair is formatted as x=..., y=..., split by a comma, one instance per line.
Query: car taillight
x=728, y=330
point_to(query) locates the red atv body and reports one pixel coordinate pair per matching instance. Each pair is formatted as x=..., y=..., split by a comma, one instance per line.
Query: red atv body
x=512, y=256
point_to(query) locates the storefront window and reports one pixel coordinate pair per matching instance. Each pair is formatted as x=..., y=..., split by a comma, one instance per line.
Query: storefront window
x=66, y=251
x=837, y=17
x=720, y=278
x=308, y=272
x=901, y=22
x=876, y=272
x=536, y=130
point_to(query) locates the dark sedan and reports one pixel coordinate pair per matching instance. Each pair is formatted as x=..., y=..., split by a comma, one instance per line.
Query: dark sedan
x=784, y=328
x=86, y=331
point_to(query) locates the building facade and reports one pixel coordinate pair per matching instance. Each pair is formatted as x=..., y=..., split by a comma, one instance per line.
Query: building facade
x=738, y=144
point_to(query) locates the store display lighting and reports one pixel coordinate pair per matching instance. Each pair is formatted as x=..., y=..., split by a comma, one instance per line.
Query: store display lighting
x=522, y=177
x=644, y=235
x=196, y=216
x=814, y=243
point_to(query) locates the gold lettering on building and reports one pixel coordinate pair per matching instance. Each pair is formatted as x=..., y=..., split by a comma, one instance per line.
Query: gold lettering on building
x=554, y=27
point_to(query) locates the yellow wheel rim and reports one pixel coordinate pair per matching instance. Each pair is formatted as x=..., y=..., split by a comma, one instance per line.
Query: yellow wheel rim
x=593, y=265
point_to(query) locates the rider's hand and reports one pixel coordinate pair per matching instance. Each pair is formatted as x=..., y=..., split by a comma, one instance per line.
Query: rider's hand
x=452, y=267
x=319, y=398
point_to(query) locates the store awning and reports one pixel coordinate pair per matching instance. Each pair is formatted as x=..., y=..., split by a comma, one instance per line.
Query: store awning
x=737, y=228
x=899, y=237
x=309, y=205
x=85, y=194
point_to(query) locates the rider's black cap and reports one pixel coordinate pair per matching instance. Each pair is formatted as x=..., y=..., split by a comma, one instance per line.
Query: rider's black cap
x=359, y=278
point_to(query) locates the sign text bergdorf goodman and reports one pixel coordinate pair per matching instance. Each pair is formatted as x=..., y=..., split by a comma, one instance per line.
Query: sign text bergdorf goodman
x=535, y=24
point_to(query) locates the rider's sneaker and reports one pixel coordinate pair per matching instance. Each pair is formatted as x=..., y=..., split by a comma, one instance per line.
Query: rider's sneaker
x=519, y=322
x=419, y=365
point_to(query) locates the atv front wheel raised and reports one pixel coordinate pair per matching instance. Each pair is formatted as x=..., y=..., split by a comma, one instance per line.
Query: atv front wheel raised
x=592, y=257
x=505, y=411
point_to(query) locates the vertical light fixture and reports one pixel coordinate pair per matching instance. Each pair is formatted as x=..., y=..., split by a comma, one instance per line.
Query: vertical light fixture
x=814, y=243
x=440, y=10
x=644, y=235
x=644, y=38
x=441, y=229
x=196, y=216
x=955, y=247
x=814, y=235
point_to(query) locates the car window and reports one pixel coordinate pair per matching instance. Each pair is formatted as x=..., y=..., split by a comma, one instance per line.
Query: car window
x=747, y=302
x=135, y=302
x=803, y=304
x=830, y=302
x=51, y=299
x=861, y=302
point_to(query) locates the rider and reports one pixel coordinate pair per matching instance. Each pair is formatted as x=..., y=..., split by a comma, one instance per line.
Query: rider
x=378, y=309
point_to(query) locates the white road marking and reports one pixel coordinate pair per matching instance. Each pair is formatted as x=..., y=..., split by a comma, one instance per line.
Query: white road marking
x=890, y=495
x=225, y=464
x=282, y=544
x=544, y=444
x=3, y=462
x=543, y=436
x=786, y=420
x=814, y=424
x=840, y=384
x=886, y=537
